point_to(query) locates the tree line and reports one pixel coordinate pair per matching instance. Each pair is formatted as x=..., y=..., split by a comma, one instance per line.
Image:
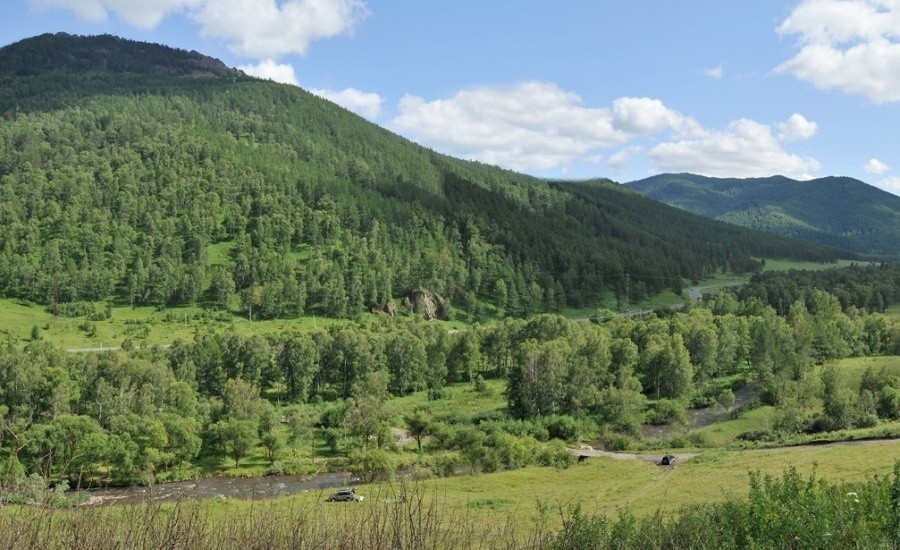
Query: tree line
x=147, y=412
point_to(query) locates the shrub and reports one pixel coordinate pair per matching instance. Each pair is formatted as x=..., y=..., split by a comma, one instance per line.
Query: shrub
x=616, y=442
x=555, y=454
x=757, y=436
x=667, y=411
x=562, y=427
x=446, y=465
x=699, y=439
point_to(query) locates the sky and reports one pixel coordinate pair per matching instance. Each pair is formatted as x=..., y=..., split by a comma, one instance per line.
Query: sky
x=563, y=89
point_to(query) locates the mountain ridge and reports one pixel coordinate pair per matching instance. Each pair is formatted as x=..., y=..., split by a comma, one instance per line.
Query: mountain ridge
x=40, y=54
x=835, y=210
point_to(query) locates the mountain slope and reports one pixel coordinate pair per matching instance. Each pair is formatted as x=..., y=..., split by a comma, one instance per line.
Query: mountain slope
x=834, y=211
x=151, y=175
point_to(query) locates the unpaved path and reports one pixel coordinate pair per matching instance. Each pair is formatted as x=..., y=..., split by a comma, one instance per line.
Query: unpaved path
x=654, y=458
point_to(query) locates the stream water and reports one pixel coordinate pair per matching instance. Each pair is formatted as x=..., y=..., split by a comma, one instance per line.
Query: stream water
x=700, y=418
x=223, y=487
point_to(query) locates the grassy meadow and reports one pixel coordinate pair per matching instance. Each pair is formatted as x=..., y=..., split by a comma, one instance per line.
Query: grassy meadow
x=518, y=509
x=144, y=326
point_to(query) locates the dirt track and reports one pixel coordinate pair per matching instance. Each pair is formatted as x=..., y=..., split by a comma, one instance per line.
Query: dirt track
x=654, y=458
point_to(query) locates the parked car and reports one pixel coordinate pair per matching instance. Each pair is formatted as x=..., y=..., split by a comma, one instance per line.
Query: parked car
x=667, y=460
x=345, y=495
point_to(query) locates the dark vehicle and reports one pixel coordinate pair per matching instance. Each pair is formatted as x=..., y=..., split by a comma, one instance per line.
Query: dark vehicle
x=345, y=495
x=667, y=460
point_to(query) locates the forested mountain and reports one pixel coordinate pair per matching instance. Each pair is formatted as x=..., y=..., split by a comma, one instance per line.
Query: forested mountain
x=149, y=175
x=835, y=211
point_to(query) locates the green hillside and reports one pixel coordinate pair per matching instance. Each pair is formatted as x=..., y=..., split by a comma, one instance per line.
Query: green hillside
x=151, y=176
x=834, y=211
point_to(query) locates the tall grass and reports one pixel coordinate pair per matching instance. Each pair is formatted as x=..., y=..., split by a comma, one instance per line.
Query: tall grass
x=402, y=517
x=780, y=512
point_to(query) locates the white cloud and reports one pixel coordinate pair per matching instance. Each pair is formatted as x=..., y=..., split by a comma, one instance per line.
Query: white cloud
x=852, y=46
x=532, y=125
x=875, y=166
x=642, y=115
x=715, y=73
x=91, y=10
x=366, y=104
x=539, y=126
x=259, y=29
x=265, y=28
x=144, y=14
x=745, y=149
x=891, y=185
x=797, y=127
x=619, y=160
x=270, y=70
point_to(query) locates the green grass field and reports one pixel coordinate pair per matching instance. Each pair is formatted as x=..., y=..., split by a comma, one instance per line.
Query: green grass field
x=784, y=265
x=852, y=369
x=722, y=434
x=459, y=399
x=606, y=485
x=142, y=325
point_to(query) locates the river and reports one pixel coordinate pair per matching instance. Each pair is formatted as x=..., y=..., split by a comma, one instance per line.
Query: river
x=222, y=488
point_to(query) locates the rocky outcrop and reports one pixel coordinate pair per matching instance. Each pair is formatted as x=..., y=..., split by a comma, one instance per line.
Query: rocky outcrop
x=426, y=303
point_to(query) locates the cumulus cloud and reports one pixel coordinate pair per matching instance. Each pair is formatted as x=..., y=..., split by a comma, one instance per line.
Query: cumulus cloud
x=270, y=70
x=619, y=160
x=852, y=46
x=745, y=149
x=642, y=115
x=875, y=166
x=365, y=104
x=144, y=14
x=265, y=28
x=538, y=125
x=532, y=125
x=797, y=127
x=259, y=29
x=891, y=185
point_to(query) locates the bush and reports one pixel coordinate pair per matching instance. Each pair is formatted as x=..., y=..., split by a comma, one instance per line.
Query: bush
x=562, y=427
x=446, y=465
x=699, y=439
x=616, y=442
x=555, y=454
x=373, y=465
x=667, y=411
x=757, y=436
x=519, y=428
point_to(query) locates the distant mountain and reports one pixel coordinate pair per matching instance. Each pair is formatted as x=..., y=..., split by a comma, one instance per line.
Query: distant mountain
x=149, y=175
x=835, y=211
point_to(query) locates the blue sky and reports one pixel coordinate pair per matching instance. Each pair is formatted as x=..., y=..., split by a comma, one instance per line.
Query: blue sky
x=575, y=89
